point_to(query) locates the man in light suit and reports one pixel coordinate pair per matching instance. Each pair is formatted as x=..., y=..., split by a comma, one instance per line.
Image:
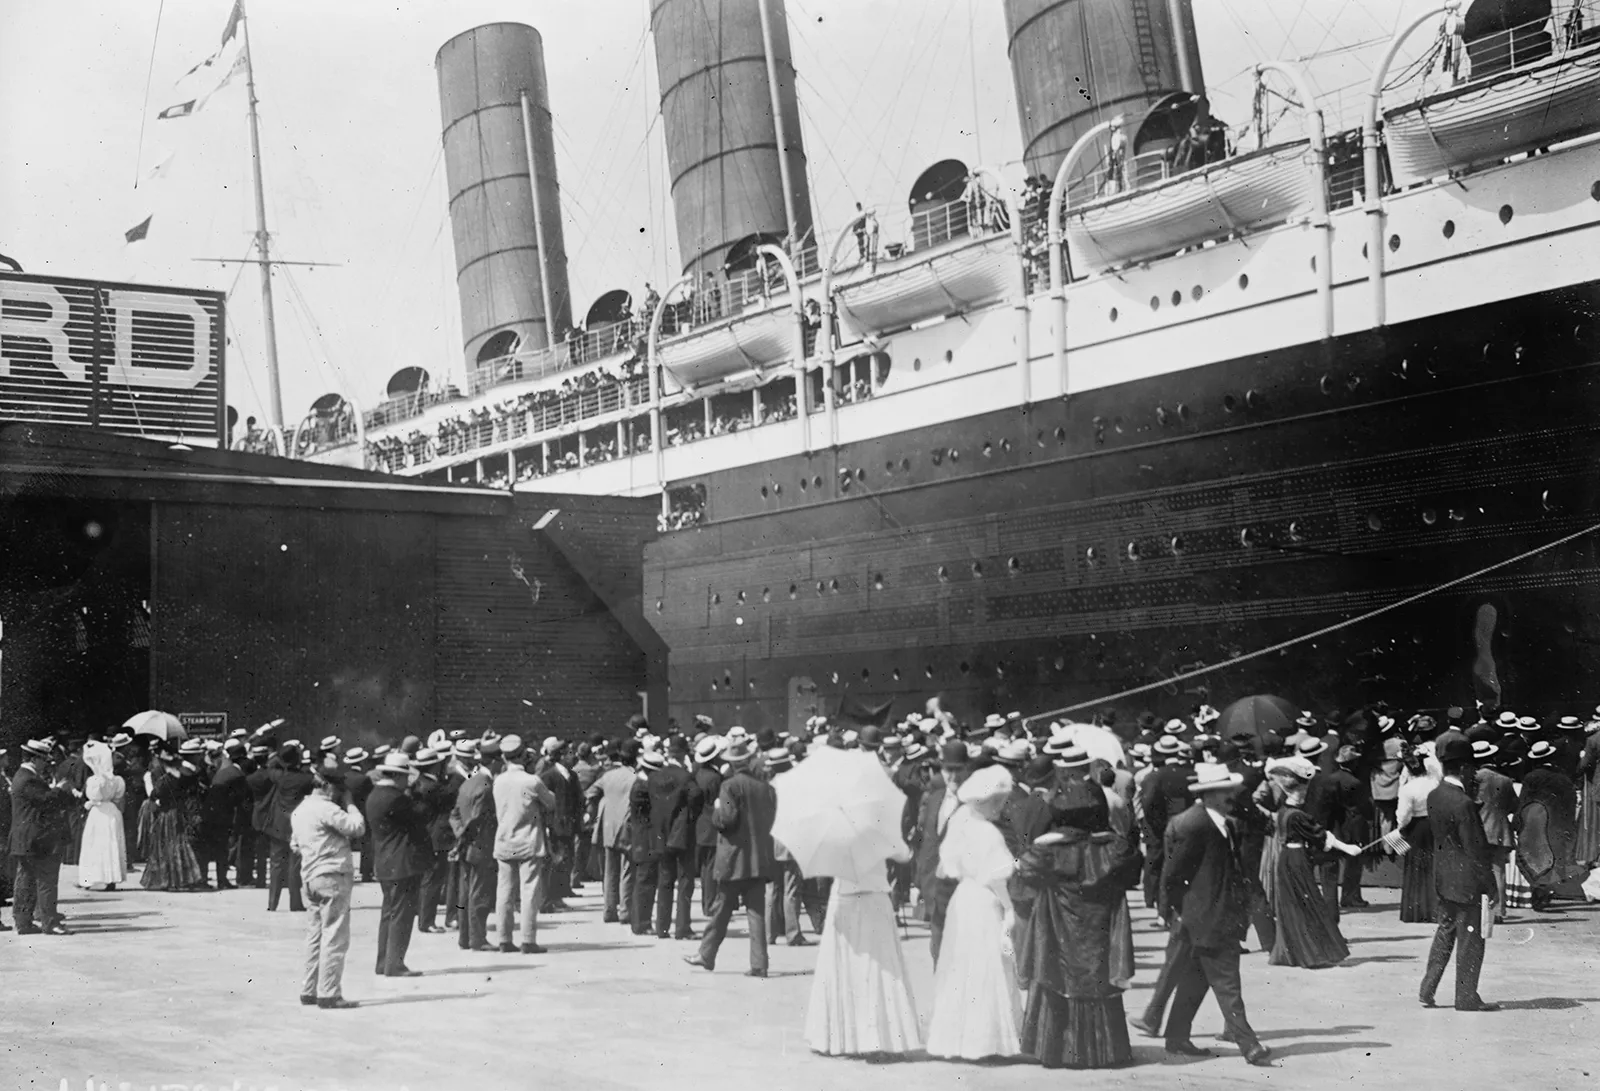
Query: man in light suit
x=1205, y=898
x=745, y=857
x=1462, y=874
x=608, y=800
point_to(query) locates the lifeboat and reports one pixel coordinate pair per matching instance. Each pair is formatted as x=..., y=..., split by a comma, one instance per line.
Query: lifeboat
x=949, y=279
x=754, y=339
x=1530, y=84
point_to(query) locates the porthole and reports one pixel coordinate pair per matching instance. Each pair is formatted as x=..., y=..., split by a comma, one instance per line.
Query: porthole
x=658, y=606
x=835, y=677
x=1547, y=501
x=916, y=364
x=844, y=481
x=888, y=467
x=877, y=582
x=1061, y=434
x=1229, y=403
x=905, y=465
x=716, y=600
x=1114, y=310
x=1061, y=663
x=1161, y=416
x=816, y=481
x=1506, y=212
x=1005, y=445
x=999, y=670
x=955, y=455
x=1374, y=521
x=833, y=585
x=1013, y=566
x=1429, y=517
x=1394, y=243
x=713, y=685
x=861, y=474
x=1116, y=425
x=938, y=456
x=895, y=674
x=927, y=672
x=977, y=569
x=1244, y=281
x=766, y=594
x=1295, y=533
x=739, y=598
x=821, y=587
x=1449, y=229
x=944, y=574
x=949, y=357
x=794, y=591
x=1183, y=411
x=763, y=492
x=1196, y=292
x=1038, y=438
x=1363, y=251
x=1092, y=555
x=1252, y=399
x=1313, y=263
x=804, y=484
x=777, y=490
x=1177, y=545
x=964, y=668
x=1155, y=303
x=1177, y=298
x=988, y=450
x=1594, y=191
x=1325, y=384
x=1133, y=551
x=1247, y=537
x=1458, y=515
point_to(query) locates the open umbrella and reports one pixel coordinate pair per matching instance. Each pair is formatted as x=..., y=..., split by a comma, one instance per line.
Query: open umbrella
x=163, y=725
x=1097, y=742
x=839, y=814
x=1250, y=718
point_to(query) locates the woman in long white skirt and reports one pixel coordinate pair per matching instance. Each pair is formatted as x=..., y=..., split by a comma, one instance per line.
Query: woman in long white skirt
x=977, y=1010
x=104, y=855
x=860, y=997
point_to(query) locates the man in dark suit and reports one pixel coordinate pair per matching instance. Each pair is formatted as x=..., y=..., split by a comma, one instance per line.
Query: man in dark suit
x=1497, y=808
x=39, y=833
x=744, y=813
x=661, y=802
x=474, y=822
x=291, y=783
x=219, y=810
x=1162, y=797
x=359, y=785
x=1205, y=897
x=437, y=786
x=1462, y=875
x=938, y=804
x=1341, y=804
x=259, y=781
x=702, y=804
x=399, y=822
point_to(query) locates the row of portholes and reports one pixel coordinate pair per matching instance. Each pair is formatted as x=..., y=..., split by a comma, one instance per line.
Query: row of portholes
x=938, y=456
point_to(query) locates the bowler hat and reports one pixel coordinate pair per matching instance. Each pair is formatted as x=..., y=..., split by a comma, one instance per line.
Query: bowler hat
x=1452, y=746
x=953, y=753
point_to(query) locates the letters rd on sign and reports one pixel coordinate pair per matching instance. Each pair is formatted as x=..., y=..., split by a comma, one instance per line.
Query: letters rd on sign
x=132, y=359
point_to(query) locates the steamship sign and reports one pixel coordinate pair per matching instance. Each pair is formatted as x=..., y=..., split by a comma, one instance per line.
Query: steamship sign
x=133, y=359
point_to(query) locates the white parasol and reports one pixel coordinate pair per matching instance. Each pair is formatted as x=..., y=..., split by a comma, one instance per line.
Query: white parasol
x=839, y=814
x=1097, y=742
x=163, y=725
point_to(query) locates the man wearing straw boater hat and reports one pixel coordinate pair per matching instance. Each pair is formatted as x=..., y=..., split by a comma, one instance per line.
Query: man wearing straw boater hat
x=743, y=816
x=1162, y=795
x=1206, y=901
x=400, y=836
x=1462, y=865
x=39, y=807
x=323, y=830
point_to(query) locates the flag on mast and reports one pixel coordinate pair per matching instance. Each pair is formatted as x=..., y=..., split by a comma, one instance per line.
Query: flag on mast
x=233, y=21
x=138, y=231
x=183, y=109
x=161, y=169
x=235, y=69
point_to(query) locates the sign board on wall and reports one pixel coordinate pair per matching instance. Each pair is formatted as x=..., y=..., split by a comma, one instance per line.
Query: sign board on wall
x=132, y=359
x=204, y=725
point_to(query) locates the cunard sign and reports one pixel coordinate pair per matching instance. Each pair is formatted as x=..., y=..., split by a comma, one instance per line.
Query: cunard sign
x=133, y=359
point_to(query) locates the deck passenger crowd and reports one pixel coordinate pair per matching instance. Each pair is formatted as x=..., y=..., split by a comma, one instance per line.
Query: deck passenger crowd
x=1021, y=844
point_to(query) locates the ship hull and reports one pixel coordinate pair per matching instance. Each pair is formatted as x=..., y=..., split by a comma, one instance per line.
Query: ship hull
x=1074, y=550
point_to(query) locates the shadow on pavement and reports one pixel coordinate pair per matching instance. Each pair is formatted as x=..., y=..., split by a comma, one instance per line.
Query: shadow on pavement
x=82, y=930
x=566, y=947
x=419, y=998
x=1306, y=1049
x=498, y=968
x=1548, y=1003
x=1380, y=939
x=1378, y=958
x=1309, y=1032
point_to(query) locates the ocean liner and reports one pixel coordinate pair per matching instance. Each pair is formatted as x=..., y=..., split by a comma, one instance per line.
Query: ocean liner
x=1184, y=396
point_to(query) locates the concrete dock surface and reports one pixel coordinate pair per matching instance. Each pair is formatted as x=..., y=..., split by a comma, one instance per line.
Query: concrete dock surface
x=184, y=991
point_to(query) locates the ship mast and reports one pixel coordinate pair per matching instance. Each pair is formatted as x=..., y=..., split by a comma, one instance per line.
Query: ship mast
x=263, y=240
x=777, y=121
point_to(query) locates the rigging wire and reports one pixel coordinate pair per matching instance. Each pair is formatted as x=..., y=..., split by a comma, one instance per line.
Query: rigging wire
x=1284, y=645
x=144, y=108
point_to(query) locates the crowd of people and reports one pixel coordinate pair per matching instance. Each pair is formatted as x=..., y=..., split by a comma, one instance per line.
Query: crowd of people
x=1019, y=843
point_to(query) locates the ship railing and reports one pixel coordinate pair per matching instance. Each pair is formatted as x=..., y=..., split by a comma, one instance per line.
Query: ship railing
x=409, y=405
x=320, y=432
x=613, y=339
x=1533, y=42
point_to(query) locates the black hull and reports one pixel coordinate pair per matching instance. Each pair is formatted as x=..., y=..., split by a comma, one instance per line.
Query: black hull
x=1264, y=497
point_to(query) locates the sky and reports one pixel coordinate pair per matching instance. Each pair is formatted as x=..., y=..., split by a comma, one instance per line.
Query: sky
x=354, y=177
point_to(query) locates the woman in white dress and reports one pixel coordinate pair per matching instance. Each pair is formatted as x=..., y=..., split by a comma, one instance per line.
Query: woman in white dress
x=861, y=996
x=104, y=856
x=977, y=1008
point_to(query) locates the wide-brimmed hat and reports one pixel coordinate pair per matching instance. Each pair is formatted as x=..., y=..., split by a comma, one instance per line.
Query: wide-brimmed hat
x=1014, y=753
x=1168, y=746
x=1386, y=724
x=355, y=756
x=1483, y=750
x=1205, y=714
x=893, y=742
x=1307, y=720
x=916, y=752
x=994, y=721
x=1073, y=757
x=260, y=750
x=987, y=785
x=380, y=750
x=234, y=746
x=1297, y=768
x=707, y=749
x=1174, y=727
x=427, y=757
x=740, y=748
x=1310, y=748
x=330, y=742
x=1540, y=751
x=37, y=748
x=652, y=759
x=511, y=747
x=1346, y=755
x=189, y=748
x=1209, y=776
x=1507, y=720
x=465, y=749
x=1569, y=723
x=779, y=759
x=550, y=745
x=395, y=761
x=239, y=733
x=120, y=739
x=1528, y=724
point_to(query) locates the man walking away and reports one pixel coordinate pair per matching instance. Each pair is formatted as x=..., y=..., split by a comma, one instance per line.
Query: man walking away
x=1462, y=876
x=473, y=821
x=522, y=804
x=400, y=839
x=745, y=862
x=323, y=830
x=608, y=798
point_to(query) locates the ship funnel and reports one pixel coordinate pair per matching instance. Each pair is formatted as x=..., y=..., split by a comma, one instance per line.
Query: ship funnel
x=511, y=263
x=721, y=130
x=1077, y=63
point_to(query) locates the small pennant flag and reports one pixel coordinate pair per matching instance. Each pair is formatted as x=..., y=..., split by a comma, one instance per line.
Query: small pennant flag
x=183, y=109
x=1396, y=843
x=233, y=22
x=207, y=63
x=238, y=66
x=161, y=169
x=138, y=231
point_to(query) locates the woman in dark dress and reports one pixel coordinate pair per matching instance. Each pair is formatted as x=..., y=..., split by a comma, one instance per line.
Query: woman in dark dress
x=1074, y=874
x=170, y=860
x=1308, y=933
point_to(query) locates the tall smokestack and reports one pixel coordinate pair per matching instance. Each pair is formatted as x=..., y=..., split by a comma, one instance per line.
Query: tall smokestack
x=504, y=277
x=1077, y=63
x=722, y=138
